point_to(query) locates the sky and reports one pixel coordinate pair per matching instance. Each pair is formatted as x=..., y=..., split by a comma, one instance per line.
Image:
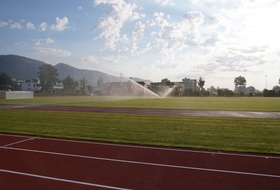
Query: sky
x=152, y=39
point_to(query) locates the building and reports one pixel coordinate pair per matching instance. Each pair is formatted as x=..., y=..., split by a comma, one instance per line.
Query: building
x=146, y=84
x=35, y=85
x=58, y=87
x=190, y=84
x=30, y=85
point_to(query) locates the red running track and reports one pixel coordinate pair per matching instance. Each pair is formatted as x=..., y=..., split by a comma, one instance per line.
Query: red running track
x=44, y=163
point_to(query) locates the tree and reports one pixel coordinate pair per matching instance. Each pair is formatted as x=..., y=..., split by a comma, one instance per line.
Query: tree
x=89, y=88
x=276, y=88
x=269, y=93
x=201, y=82
x=279, y=81
x=228, y=92
x=76, y=84
x=251, y=89
x=176, y=91
x=99, y=84
x=83, y=83
x=5, y=81
x=212, y=90
x=220, y=92
x=165, y=82
x=68, y=82
x=240, y=81
x=48, y=76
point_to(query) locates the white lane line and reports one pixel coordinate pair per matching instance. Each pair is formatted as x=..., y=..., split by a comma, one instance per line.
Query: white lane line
x=62, y=180
x=165, y=149
x=155, y=148
x=145, y=163
x=31, y=138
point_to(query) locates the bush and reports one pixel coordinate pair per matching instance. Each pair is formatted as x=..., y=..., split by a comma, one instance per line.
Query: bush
x=188, y=92
x=225, y=92
x=196, y=93
x=220, y=92
x=269, y=93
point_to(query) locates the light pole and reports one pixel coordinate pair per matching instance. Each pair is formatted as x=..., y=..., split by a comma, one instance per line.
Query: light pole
x=265, y=81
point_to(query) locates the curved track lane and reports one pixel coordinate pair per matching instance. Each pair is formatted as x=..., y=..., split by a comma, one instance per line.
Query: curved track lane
x=45, y=163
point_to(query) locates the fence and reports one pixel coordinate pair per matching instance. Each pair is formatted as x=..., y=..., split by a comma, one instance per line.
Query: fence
x=19, y=94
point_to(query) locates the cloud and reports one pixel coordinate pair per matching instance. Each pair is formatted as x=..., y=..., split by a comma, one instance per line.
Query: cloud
x=195, y=18
x=250, y=50
x=2, y=24
x=150, y=23
x=145, y=48
x=160, y=20
x=80, y=8
x=212, y=40
x=44, y=41
x=138, y=31
x=16, y=25
x=175, y=36
x=216, y=20
x=61, y=24
x=165, y=2
x=134, y=48
x=90, y=59
x=43, y=26
x=113, y=58
x=110, y=26
x=51, y=51
x=30, y=26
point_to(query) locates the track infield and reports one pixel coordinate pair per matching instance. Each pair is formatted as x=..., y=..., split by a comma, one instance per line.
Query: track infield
x=28, y=162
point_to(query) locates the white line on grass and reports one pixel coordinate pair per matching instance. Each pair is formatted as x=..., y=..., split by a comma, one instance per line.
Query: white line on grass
x=59, y=179
x=144, y=163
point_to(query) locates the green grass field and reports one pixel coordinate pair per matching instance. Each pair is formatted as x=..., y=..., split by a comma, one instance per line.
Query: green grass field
x=230, y=134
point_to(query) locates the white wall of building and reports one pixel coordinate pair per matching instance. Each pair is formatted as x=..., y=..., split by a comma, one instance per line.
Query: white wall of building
x=31, y=85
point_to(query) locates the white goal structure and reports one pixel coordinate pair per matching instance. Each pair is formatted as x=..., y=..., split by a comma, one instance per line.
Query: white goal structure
x=19, y=94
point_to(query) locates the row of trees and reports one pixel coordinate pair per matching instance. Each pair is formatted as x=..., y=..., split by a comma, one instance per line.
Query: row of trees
x=48, y=76
x=240, y=87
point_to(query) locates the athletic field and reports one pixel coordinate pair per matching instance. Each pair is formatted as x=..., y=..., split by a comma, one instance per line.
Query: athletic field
x=137, y=143
x=218, y=132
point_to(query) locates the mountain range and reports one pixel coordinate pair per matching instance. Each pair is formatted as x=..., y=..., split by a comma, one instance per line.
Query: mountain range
x=21, y=68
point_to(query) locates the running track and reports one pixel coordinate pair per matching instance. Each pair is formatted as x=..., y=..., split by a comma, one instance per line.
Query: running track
x=208, y=113
x=28, y=162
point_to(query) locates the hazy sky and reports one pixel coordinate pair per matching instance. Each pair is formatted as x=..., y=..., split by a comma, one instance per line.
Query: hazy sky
x=151, y=39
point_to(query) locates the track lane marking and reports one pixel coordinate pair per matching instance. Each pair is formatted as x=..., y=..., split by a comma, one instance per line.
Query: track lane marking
x=61, y=180
x=153, y=148
x=18, y=142
x=144, y=163
x=165, y=149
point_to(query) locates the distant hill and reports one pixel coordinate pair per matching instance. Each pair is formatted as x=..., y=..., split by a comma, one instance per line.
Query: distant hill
x=139, y=79
x=20, y=68
x=77, y=74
